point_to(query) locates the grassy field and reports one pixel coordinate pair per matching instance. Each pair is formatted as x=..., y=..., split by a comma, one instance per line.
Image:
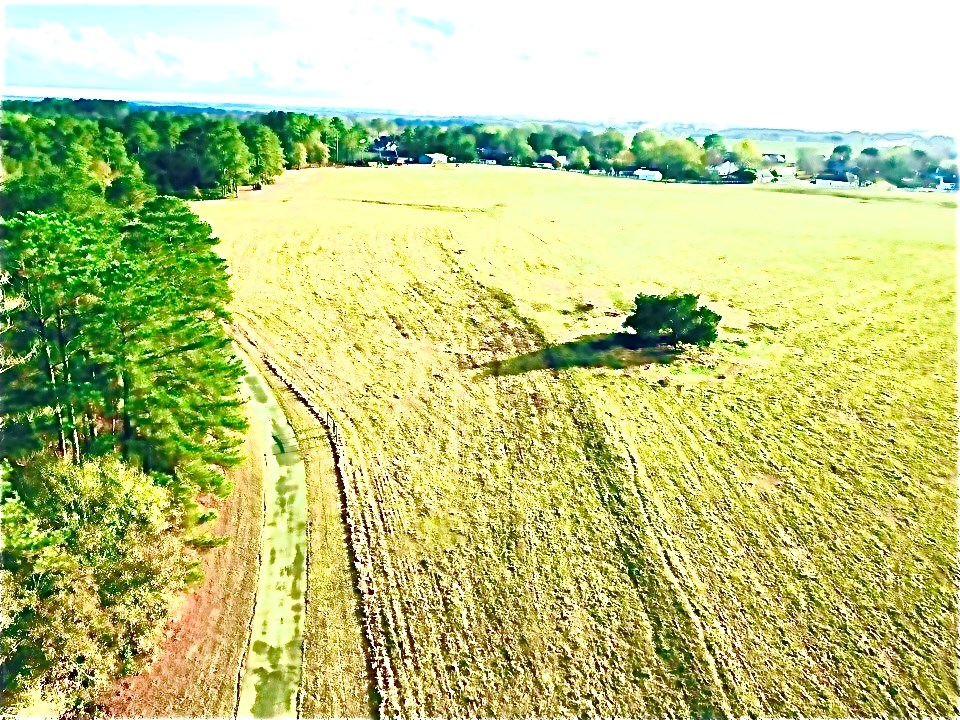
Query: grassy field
x=270, y=677
x=554, y=527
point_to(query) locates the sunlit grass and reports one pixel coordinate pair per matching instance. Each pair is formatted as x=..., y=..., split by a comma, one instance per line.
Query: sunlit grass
x=767, y=526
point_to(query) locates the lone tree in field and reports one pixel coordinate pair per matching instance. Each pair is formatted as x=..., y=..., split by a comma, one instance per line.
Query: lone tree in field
x=671, y=320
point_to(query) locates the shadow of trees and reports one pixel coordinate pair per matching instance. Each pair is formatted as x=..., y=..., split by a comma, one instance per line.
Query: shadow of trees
x=612, y=350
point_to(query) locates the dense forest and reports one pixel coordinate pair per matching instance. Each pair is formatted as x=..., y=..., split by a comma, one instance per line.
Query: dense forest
x=119, y=405
x=199, y=155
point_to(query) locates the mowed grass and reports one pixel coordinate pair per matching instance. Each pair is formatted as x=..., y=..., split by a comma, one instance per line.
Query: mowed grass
x=765, y=527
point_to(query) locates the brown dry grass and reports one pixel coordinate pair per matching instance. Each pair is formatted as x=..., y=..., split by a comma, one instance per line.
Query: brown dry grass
x=195, y=674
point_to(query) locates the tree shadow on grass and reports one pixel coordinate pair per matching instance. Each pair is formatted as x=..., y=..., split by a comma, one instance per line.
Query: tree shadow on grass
x=612, y=350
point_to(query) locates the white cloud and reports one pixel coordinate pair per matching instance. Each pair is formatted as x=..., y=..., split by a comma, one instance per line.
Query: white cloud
x=818, y=63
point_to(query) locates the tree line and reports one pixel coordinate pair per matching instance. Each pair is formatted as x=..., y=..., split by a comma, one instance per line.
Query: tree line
x=900, y=165
x=199, y=155
x=208, y=153
x=119, y=404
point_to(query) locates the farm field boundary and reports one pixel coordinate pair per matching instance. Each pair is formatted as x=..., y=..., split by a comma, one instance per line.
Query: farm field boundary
x=360, y=570
x=195, y=674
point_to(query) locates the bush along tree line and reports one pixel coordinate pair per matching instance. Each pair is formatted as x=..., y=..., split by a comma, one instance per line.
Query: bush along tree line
x=119, y=405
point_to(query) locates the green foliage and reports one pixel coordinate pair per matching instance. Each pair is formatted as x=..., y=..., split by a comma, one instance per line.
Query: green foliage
x=116, y=321
x=90, y=564
x=265, y=153
x=580, y=160
x=671, y=320
x=746, y=155
x=714, y=149
x=67, y=163
x=809, y=161
x=298, y=156
x=679, y=159
x=227, y=157
x=113, y=347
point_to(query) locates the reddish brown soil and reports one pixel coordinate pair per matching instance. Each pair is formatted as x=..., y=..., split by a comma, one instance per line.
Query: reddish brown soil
x=195, y=673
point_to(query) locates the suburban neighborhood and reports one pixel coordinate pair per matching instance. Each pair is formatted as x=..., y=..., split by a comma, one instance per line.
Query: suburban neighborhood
x=837, y=170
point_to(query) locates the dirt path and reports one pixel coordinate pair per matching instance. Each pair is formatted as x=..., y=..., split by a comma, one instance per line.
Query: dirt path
x=269, y=679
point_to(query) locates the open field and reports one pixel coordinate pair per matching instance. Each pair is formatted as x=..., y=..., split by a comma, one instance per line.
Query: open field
x=555, y=527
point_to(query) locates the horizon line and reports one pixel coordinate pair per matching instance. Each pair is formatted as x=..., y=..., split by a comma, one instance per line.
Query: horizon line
x=279, y=102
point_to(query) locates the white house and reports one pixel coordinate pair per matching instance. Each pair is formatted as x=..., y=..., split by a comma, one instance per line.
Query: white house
x=727, y=167
x=831, y=183
x=644, y=174
x=433, y=159
x=764, y=176
x=547, y=161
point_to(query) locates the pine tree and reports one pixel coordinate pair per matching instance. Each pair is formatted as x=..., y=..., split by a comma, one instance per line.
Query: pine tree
x=266, y=153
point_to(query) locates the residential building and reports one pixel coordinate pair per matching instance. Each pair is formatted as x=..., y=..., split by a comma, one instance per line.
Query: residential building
x=645, y=174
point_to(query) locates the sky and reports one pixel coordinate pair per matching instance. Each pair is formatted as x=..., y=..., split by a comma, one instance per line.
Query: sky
x=817, y=65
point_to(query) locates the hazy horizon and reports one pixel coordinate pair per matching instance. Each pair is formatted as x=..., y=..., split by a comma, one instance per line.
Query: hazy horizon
x=746, y=68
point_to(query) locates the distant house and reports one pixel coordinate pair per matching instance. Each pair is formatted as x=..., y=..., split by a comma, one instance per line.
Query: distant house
x=774, y=158
x=831, y=180
x=727, y=167
x=645, y=174
x=765, y=176
x=433, y=159
x=547, y=162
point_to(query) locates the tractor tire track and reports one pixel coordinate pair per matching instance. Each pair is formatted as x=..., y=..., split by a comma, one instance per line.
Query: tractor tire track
x=378, y=673
x=269, y=680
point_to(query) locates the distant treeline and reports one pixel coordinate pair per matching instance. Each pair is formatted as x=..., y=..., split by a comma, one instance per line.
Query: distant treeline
x=901, y=166
x=201, y=155
x=119, y=404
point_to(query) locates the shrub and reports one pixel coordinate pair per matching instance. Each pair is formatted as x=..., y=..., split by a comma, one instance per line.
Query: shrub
x=671, y=320
x=89, y=567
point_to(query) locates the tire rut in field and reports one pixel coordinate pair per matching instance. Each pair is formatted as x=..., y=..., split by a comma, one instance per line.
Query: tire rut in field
x=268, y=684
x=680, y=640
x=377, y=675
